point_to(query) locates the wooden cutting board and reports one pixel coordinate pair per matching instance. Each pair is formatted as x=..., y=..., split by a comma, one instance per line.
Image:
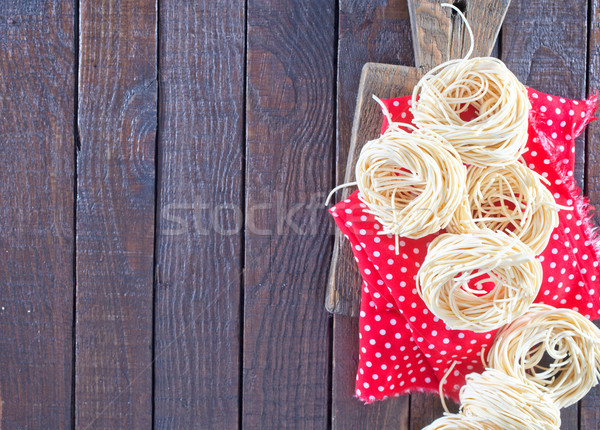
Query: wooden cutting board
x=438, y=35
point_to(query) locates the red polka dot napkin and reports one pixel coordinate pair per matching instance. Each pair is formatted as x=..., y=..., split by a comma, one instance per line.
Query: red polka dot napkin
x=403, y=347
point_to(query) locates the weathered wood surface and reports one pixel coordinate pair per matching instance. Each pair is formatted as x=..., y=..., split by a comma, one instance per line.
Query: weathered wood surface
x=545, y=44
x=200, y=207
x=385, y=81
x=289, y=156
x=219, y=168
x=115, y=214
x=440, y=35
x=37, y=148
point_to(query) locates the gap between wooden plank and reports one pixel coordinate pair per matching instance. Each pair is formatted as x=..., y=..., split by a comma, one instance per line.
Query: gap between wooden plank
x=76, y=148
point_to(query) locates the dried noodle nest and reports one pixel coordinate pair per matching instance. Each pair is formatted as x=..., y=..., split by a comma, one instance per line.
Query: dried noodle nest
x=480, y=280
x=497, y=134
x=556, y=350
x=508, y=198
x=508, y=403
x=411, y=182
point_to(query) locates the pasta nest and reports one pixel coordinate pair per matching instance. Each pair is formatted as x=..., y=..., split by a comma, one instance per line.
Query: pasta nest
x=507, y=403
x=458, y=422
x=478, y=105
x=556, y=350
x=480, y=280
x=508, y=198
x=411, y=182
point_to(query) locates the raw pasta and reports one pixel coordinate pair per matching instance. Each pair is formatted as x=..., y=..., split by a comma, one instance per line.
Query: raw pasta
x=556, y=350
x=459, y=422
x=507, y=402
x=478, y=105
x=508, y=198
x=411, y=182
x=480, y=280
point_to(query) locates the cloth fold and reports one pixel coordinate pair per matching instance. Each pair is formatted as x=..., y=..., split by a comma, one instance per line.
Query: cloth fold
x=403, y=346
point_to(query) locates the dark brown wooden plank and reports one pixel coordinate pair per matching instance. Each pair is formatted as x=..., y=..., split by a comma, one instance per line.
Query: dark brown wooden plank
x=544, y=43
x=37, y=56
x=426, y=408
x=592, y=183
x=570, y=418
x=115, y=214
x=590, y=404
x=590, y=410
x=289, y=159
x=198, y=249
x=379, y=32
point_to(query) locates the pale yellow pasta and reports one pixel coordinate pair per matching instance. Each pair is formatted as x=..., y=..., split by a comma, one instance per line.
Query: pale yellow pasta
x=411, y=182
x=480, y=280
x=556, y=350
x=497, y=135
x=508, y=198
x=460, y=422
x=507, y=403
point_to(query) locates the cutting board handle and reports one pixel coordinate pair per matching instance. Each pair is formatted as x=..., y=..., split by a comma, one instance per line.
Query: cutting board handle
x=440, y=35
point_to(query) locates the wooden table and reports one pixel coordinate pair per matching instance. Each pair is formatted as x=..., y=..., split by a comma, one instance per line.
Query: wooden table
x=164, y=249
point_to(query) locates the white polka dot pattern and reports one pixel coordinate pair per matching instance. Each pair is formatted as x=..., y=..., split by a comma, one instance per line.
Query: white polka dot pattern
x=403, y=347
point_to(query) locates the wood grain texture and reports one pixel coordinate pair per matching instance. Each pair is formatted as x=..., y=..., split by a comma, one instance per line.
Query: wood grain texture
x=431, y=29
x=592, y=180
x=485, y=18
x=440, y=35
x=589, y=411
x=367, y=32
x=570, y=418
x=375, y=31
x=200, y=209
x=289, y=156
x=426, y=408
x=115, y=213
x=37, y=56
x=544, y=43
